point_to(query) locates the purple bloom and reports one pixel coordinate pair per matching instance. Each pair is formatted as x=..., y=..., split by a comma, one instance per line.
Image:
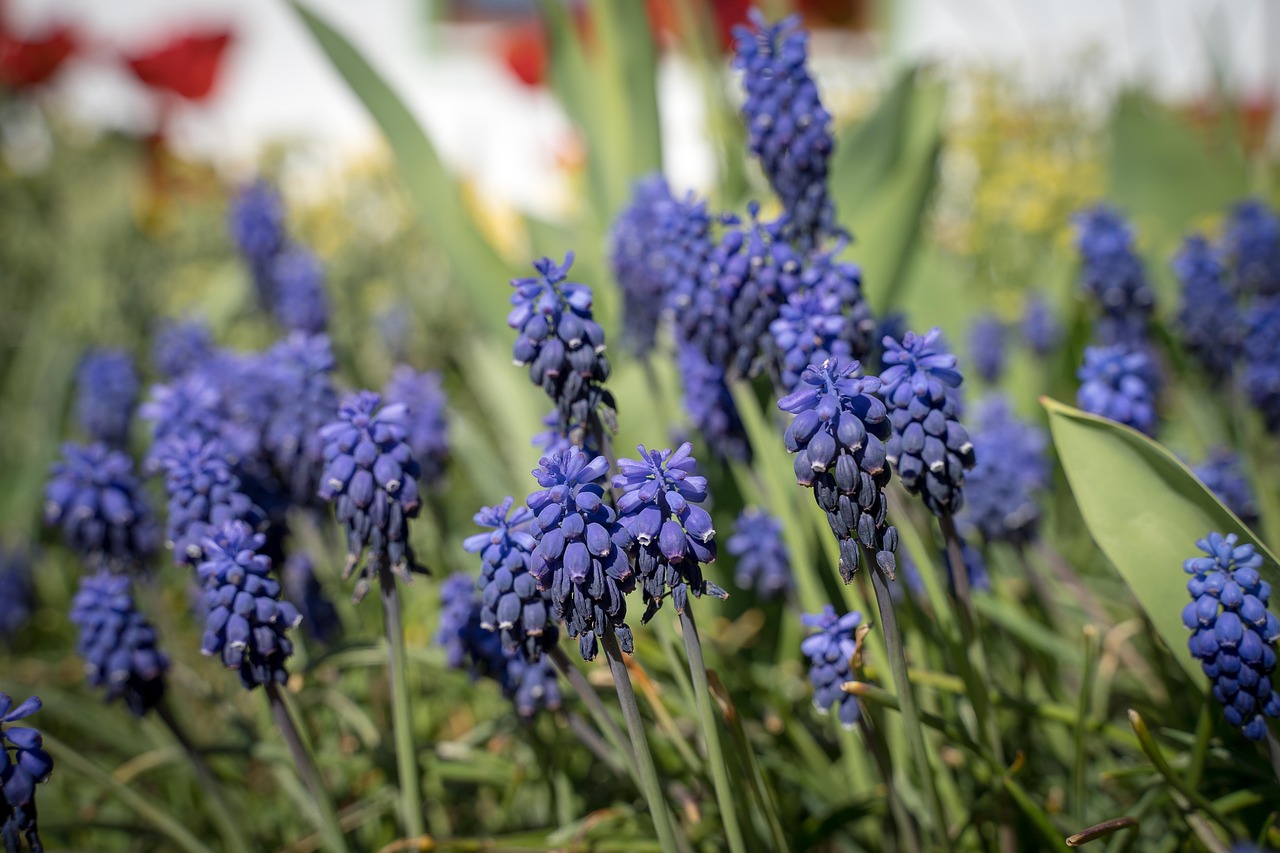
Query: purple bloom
x=667, y=532
x=1262, y=359
x=17, y=595
x=711, y=407
x=106, y=393
x=553, y=439
x=1233, y=634
x=1040, y=328
x=830, y=652
x=303, y=591
x=1012, y=469
x=810, y=328
x=256, y=220
x=1251, y=246
x=1112, y=273
x=94, y=497
x=299, y=301
x=24, y=763
x=1120, y=382
x=986, y=347
x=118, y=643
x=1209, y=321
x=428, y=437
x=1223, y=474
x=181, y=347
x=687, y=244
x=637, y=257
x=204, y=494
x=763, y=562
x=511, y=603
x=303, y=399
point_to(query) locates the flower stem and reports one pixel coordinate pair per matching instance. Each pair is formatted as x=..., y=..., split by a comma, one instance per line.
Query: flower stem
x=330, y=829
x=639, y=744
x=215, y=802
x=401, y=715
x=592, y=700
x=719, y=769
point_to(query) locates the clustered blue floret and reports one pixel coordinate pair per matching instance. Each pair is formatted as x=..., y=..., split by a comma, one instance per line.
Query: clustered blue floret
x=763, y=562
x=1040, y=328
x=975, y=566
x=1251, y=245
x=1113, y=274
x=303, y=591
x=1233, y=634
x=637, y=256
x=788, y=128
x=107, y=389
x=1121, y=383
x=511, y=602
x=711, y=407
x=1223, y=474
x=579, y=558
x=204, y=493
x=838, y=436
x=667, y=532
x=1262, y=359
x=830, y=652
x=987, y=346
x=1209, y=321
x=181, y=347
x=303, y=400
x=246, y=620
x=299, y=301
x=94, y=497
x=929, y=448
x=17, y=595
x=256, y=221
x=118, y=643
x=1012, y=470
x=554, y=439
x=423, y=394
x=371, y=477
x=24, y=763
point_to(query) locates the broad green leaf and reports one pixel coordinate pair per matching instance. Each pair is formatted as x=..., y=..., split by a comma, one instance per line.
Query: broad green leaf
x=1145, y=509
x=433, y=190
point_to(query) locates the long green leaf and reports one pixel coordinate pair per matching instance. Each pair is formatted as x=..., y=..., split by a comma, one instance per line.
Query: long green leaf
x=1145, y=509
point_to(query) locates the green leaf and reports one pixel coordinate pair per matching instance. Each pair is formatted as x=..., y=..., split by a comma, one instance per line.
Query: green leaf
x=1145, y=509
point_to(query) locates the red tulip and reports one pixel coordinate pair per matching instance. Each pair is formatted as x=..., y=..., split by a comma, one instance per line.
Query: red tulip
x=524, y=51
x=25, y=63
x=187, y=65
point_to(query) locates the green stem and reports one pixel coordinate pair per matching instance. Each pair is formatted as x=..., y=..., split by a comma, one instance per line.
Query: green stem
x=330, y=829
x=1179, y=785
x=710, y=732
x=1078, y=774
x=639, y=744
x=1200, y=750
x=906, y=830
x=598, y=712
x=216, y=804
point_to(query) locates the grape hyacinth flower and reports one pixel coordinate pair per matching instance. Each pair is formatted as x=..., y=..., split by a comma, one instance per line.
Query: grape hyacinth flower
x=1112, y=273
x=577, y=559
x=1120, y=382
x=560, y=341
x=1262, y=360
x=711, y=407
x=94, y=497
x=1251, y=245
x=929, y=448
x=256, y=220
x=554, y=439
x=1209, y=320
x=299, y=302
x=247, y=620
x=975, y=568
x=423, y=394
x=830, y=653
x=24, y=763
x=788, y=128
x=511, y=603
x=1002, y=490
x=838, y=436
x=1224, y=476
x=303, y=400
x=986, y=347
x=1040, y=329
x=669, y=535
x=763, y=562
x=17, y=595
x=181, y=347
x=636, y=256
x=106, y=393
x=303, y=591
x=204, y=494
x=118, y=643
x=371, y=477
x=687, y=241
x=809, y=330
x=1233, y=634
x=189, y=408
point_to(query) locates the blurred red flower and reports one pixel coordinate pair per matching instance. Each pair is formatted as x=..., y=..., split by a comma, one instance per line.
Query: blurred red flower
x=725, y=15
x=30, y=62
x=524, y=51
x=186, y=65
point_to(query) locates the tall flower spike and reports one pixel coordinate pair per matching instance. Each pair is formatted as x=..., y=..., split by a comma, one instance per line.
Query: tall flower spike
x=986, y=347
x=554, y=439
x=710, y=406
x=830, y=652
x=764, y=564
x=560, y=341
x=423, y=394
x=929, y=449
x=1209, y=321
x=24, y=763
x=246, y=621
x=118, y=643
x=1251, y=245
x=106, y=393
x=1120, y=383
x=510, y=601
x=181, y=347
x=299, y=301
x=577, y=559
x=304, y=399
x=1112, y=273
x=17, y=595
x=94, y=497
x=788, y=129
x=1040, y=329
x=669, y=534
x=1223, y=474
x=372, y=478
x=1262, y=359
x=637, y=257
x=1233, y=634
x=839, y=436
x=1002, y=491
x=204, y=493
x=256, y=222
x=303, y=590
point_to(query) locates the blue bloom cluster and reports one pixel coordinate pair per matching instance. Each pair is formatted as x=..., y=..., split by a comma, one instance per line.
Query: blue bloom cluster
x=118, y=643
x=838, y=436
x=423, y=395
x=1040, y=328
x=256, y=221
x=180, y=348
x=371, y=477
x=204, y=494
x=1262, y=359
x=638, y=259
x=1251, y=245
x=94, y=497
x=223, y=399
x=511, y=603
x=669, y=535
x=1233, y=634
x=1112, y=273
x=246, y=621
x=929, y=448
x=830, y=652
x=303, y=591
x=299, y=301
x=303, y=399
x=788, y=128
x=1224, y=476
x=710, y=406
x=986, y=347
x=1012, y=469
x=1209, y=320
x=1121, y=383
x=106, y=393
x=763, y=562
x=24, y=763
x=577, y=559
x=554, y=439
x=17, y=595
x=975, y=566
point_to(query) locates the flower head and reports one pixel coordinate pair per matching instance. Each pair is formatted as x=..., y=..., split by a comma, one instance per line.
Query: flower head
x=669, y=534
x=118, y=643
x=1209, y=321
x=1040, y=328
x=511, y=602
x=578, y=559
x=17, y=595
x=371, y=477
x=204, y=494
x=1251, y=246
x=830, y=652
x=106, y=393
x=637, y=257
x=1113, y=274
x=246, y=621
x=24, y=763
x=428, y=436
x=1223, y=474
x=299, y=302
x=1120, y=382
x=554, y=439
x=763, y=562
x=1002, y=491
x=710, y=406
x=300, y=377
x=986, y=347
x=1233, y=634
x=303, y=591
x=1262, y=359
x=181, y=347
x=256, y=221
x=94, y=497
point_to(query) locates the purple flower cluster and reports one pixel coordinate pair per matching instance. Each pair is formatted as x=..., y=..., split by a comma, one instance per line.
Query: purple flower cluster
x=17, y=595
x=1262, y=359
x=763, y=562
x=1223, y=474
x=106, y=393
x=94, y=497
x=830, y=652
x=638, y=259
x=181, y=347
x=1113, y=274
x=118, y=643
x=1251, y=246
x=302, y=589
x=24, y=763
x=1233, y=634
x=423, y=395
x=1209, y=320
x=204, y=494
x=1012, y=469
x=1040, y=329
x=1121, y=383
x=710, y=406
x=987, y=347
x=299, y=302
x=303, y=399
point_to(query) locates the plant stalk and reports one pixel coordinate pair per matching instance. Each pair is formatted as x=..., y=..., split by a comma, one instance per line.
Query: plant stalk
x=329, y=827
x=216, y=804
x=599, y=713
